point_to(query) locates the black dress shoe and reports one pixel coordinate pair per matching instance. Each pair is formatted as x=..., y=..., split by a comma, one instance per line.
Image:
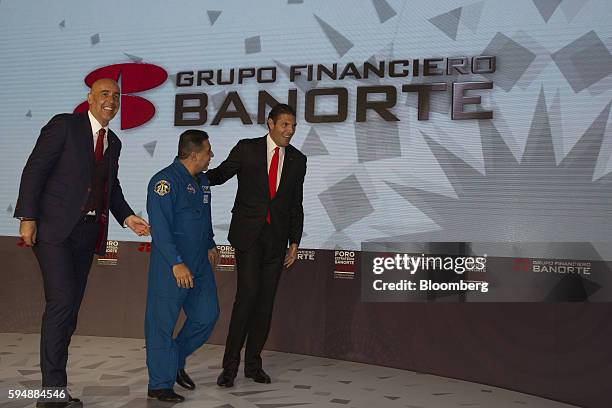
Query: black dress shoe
x=183, y=379
x=258, y=375
x=166, y=395
x=226, y=378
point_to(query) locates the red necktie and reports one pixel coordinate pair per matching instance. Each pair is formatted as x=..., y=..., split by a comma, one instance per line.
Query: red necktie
x=99, y=152
x=272, y=174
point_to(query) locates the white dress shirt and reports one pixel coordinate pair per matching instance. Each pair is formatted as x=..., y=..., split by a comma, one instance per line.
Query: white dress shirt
x=281, y=156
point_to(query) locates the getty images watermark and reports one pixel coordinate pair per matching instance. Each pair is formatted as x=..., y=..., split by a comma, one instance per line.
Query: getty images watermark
x=405, y=276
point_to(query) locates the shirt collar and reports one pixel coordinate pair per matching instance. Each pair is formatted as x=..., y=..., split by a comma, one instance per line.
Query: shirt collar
x=95, y=125
x=271, y=145
x=183, y=170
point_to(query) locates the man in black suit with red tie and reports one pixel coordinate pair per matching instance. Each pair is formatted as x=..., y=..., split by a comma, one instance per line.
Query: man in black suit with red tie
x=67, y=188
x=267, y=215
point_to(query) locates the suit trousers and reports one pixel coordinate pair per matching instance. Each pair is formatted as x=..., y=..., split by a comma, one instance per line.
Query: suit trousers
x=65, y=267
x=258, y=269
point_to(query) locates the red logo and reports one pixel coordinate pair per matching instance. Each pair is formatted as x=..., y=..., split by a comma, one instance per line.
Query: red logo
x=144, y=247
x=522, y=264
x=135, y=110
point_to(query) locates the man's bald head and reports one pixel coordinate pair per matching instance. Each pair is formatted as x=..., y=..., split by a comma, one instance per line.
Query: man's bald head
x=103, y=99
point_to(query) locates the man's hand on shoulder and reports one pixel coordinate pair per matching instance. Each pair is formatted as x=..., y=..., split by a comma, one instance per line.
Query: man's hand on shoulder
x=138, y=225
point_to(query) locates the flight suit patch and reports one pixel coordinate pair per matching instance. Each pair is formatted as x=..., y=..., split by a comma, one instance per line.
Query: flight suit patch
x=162, y=188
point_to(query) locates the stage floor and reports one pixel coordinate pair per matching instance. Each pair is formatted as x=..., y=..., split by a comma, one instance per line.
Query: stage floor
x=110, y=372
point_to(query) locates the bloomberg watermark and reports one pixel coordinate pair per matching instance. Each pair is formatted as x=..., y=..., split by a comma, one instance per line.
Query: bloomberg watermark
x=404, y=276
x=483, y=272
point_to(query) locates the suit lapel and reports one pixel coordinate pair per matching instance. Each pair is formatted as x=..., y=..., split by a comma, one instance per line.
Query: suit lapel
x=113, y=157
x=112, y=145
x=263, y=167
x=287, y=163
x=85, y=140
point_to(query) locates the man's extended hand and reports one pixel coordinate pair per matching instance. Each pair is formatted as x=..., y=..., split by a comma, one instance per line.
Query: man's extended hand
x=183, y=276
x=137, y=224
x=27, y=231
x=291, y=256
x=213, y=256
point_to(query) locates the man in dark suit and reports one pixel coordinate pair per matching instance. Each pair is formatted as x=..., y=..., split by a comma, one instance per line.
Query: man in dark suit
x=267, y=215
x=68, y=185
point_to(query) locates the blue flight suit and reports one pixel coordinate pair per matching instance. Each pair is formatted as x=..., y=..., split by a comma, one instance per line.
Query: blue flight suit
x=178, y=206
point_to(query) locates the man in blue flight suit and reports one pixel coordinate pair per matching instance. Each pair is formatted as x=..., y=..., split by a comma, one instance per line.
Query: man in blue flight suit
x=180, y=273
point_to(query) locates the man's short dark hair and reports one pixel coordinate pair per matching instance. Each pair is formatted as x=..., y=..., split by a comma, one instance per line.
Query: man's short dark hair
x=279, y=109
x=191, y=141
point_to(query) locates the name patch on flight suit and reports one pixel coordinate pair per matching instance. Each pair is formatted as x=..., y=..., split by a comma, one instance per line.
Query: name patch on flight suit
x=206, y=190
x=162, y=188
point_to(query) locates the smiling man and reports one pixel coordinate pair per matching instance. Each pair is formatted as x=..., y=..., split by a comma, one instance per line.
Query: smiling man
x=67, y=188
x=267, y=217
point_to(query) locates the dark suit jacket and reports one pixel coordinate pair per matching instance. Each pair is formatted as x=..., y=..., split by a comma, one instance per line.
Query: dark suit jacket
x=57, y=179
x=248, y=159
